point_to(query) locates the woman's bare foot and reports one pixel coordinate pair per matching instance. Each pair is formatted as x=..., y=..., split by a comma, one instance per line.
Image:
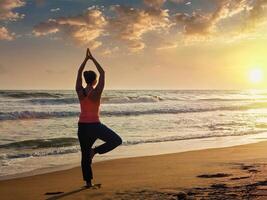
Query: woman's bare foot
x=88, y=184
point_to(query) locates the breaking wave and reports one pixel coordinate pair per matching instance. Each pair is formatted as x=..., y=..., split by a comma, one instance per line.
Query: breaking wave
x=43, y=115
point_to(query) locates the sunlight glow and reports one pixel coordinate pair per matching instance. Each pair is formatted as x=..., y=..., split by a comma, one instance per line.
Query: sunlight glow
x=256, y=76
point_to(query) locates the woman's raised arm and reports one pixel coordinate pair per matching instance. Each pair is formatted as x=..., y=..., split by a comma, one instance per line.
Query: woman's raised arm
x=101, y=81
x=79, y=85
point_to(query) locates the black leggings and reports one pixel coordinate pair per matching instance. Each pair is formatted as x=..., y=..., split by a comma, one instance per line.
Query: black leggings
x=87, y=134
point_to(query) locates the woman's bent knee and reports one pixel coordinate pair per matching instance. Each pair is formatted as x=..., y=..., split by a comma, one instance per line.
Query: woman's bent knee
x=118, y=141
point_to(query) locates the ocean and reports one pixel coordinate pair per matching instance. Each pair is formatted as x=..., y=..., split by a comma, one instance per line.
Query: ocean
x=38, y=129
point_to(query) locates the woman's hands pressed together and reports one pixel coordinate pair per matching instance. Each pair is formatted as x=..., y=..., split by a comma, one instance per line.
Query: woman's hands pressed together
x=89, y=55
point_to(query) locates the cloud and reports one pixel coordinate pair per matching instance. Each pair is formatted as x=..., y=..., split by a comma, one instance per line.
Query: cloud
x=257, y=13
x=5, y=34
x=54, y=9
x=128, y=25
x=7, y=14
x=195, y=23
x=84, y=29
x=188, y=3
x=131, y=24
x=167, y=45
x=45, y=28
x=109, y=51
x=205, y=23
x=7, y=7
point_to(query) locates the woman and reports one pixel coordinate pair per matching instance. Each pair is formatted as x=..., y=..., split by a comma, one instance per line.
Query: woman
x=89, y=126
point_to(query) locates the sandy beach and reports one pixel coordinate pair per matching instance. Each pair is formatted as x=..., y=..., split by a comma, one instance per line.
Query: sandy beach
x=225, y=173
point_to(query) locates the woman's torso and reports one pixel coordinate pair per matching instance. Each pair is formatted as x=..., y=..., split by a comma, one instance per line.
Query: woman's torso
x=89, y=109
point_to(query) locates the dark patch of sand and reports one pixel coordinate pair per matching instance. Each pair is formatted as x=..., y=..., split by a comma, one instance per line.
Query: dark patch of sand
x=217, y=175
x=239, y=178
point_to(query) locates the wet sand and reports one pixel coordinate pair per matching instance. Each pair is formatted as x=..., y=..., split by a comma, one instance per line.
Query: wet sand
x=225, y=173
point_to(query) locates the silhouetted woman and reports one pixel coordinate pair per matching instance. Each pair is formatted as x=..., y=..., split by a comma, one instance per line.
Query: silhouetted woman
x=89, y=126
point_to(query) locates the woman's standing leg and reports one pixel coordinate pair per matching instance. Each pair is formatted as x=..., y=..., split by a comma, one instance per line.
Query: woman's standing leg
x=111, y=139
x=86, y=139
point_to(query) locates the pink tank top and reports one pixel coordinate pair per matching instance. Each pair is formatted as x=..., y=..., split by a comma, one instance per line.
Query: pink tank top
x=89, y=110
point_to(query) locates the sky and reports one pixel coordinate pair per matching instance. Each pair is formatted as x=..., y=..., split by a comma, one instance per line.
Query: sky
x=141, y=44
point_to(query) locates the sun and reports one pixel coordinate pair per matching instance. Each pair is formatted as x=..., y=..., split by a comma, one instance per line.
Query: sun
x=256, y=76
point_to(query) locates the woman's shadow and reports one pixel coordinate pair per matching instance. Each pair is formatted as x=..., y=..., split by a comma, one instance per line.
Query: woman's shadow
x=60, y=195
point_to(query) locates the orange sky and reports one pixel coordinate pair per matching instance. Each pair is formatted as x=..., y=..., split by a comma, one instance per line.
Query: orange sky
x=155, y=44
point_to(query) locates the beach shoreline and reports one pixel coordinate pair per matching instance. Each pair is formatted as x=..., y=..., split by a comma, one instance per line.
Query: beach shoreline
x=153, y=174
x=151, y=149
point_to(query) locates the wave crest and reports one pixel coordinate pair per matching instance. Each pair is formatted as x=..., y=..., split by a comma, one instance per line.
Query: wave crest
x=34, y=115
x=105, y=100
x=74, y=148
x=21, y=94
x=41, y=143
x=44, y=115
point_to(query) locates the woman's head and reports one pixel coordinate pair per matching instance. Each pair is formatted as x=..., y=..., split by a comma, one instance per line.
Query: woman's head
x=90, y=77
